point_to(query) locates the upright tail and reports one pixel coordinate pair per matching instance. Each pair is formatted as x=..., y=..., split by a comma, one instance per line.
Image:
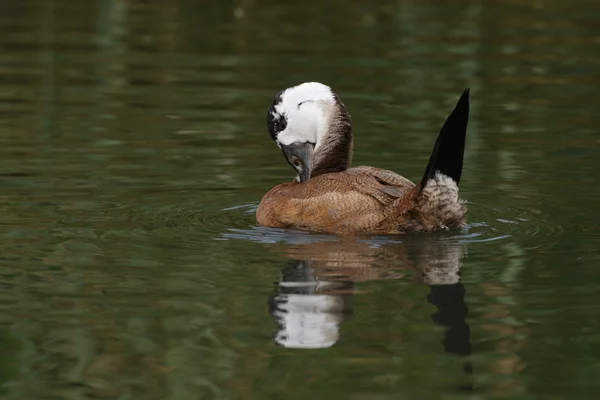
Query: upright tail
x=447, y=156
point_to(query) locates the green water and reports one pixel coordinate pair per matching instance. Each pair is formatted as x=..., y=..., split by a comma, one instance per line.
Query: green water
x=134, y=152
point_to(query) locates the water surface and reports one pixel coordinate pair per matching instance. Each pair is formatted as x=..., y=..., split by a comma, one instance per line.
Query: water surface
x=134, y=152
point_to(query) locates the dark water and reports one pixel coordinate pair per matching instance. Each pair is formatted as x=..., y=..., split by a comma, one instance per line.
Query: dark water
x=134, y=152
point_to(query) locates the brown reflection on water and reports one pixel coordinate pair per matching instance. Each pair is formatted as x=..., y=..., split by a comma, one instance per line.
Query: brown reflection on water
x=432, y=259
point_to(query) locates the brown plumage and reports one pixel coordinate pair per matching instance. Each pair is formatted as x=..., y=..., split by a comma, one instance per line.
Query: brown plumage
x=328, y=196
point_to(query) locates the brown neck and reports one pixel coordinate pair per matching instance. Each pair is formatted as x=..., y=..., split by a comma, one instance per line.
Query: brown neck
x=335, y=152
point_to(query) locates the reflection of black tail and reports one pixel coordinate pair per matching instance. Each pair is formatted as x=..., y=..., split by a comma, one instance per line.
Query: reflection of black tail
x=447, y=155
x=452, y=313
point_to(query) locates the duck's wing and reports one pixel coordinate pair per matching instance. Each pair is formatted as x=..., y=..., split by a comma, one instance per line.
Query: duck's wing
x=384, y=185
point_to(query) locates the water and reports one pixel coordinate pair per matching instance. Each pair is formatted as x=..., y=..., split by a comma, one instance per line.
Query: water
x=134, y=152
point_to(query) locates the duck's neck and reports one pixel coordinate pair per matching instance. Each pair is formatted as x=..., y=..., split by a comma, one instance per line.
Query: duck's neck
x=334, y=153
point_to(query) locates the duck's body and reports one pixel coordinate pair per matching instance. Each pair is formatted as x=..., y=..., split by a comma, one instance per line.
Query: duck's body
x=364, y=200
x=328, y=196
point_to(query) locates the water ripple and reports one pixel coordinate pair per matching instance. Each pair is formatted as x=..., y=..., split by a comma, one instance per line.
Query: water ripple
x=492, y=224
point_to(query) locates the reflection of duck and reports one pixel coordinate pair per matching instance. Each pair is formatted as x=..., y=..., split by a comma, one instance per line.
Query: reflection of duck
x=312, y=127
x=315, y=290
x=431, y=260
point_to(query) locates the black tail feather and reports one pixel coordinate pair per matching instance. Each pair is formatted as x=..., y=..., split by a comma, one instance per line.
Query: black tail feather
x=447, y=155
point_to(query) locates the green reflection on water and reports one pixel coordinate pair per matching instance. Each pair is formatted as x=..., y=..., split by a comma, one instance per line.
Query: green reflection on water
x=134, y=150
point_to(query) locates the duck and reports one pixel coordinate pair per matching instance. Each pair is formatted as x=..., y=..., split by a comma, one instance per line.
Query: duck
x=313, y=129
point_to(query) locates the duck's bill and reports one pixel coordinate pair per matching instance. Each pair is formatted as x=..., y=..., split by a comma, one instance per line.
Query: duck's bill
x=300, y=157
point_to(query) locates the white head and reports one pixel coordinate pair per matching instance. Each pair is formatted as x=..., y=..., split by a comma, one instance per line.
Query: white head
x=298, y=121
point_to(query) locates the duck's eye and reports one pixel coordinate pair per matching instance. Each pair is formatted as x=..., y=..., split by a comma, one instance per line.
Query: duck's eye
x=279, y=124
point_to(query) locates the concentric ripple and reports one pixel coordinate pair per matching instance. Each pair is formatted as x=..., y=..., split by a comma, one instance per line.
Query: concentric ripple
x=238, y=222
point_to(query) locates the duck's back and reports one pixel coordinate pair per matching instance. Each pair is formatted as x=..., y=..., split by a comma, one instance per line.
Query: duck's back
x=359, y=200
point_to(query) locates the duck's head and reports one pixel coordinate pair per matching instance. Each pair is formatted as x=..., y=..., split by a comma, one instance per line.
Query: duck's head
x=312, y=127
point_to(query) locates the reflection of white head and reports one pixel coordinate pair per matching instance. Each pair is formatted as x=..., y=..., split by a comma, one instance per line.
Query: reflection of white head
x=308, y=321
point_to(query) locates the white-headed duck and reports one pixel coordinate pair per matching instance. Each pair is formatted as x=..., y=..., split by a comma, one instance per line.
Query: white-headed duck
x=312, y=127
